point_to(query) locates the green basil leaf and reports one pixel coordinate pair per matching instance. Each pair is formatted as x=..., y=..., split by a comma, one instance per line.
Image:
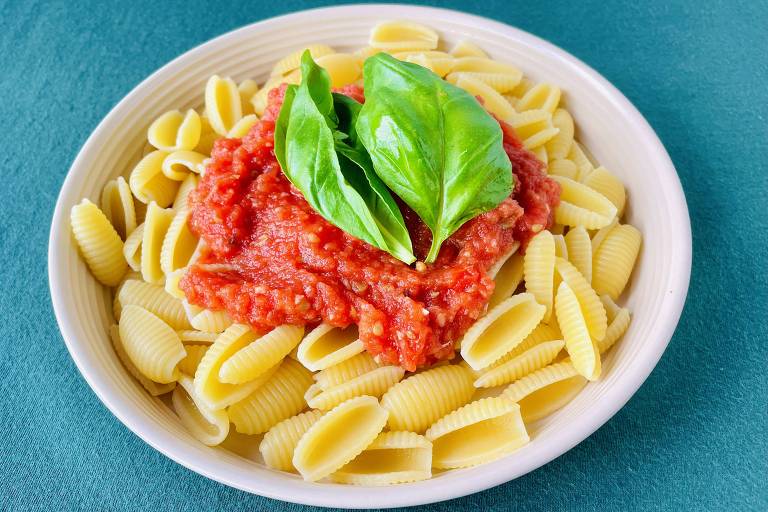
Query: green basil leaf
x=433, y=144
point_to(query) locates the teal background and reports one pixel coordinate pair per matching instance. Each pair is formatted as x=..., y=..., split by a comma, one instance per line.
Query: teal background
x=694, y=436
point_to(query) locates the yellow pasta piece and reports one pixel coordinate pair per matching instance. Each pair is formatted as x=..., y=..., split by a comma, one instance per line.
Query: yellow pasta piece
x=439, y=62
x=222, y=104
x=117, y=205
x=195, y=354
x=326, y=346
x=241, y=128
x=498, y=332
x=582, y=349
x=205, y=319
x=420, y=400
x=577, y=155
x=279, y=398
x=589, y=302
x=373, y=383
x=260, y=355
x=173, y=131
x=148, y=183
x=338, y=437
x=197, y=337
x=154, y=299
x=178, y=165
x=600, y=235
x=501, y=82
x=484, y=65
x=311, y=392
x=536, y=357
x=611, y=308
x=155, y=228
x=343, y=68
x=580, y=251
x=280, y=441
x=213, y=392
x=152, y=387
x=533, y=127
x=523, y=87
x=539, y=269
x=243, y=445
x=259, y=100
x=582, y=206
x=293, y=60
x=99, y=243
x=565, y=168
x=466, y=48
x=182, y=195
x=507, y=280
x=561, y=249
x=141, y=211
x=560, y=145
x=403, y=35
x=345, y=370
x=206, y=425
x=544, y=391
x=603, y=181
x=618, y=325
x=172, y=281
x=543, y=332
x=614, y=260
x=393, y=457
x=493, y=102
x=247, y=88
x=479, y=432
x=541, y=154
x=178, y=244
x=542, y=96
x=151, y=344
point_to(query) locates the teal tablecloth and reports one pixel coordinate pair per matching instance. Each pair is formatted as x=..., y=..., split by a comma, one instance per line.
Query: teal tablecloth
x=694, y=437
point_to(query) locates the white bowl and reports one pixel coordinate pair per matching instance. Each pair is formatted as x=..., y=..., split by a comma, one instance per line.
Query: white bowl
x=608, y=125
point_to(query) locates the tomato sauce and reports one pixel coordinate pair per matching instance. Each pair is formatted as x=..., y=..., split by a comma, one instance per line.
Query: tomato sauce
x=271, y=259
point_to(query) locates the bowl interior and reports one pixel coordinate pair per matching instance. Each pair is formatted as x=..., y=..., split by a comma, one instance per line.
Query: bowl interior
x=615, y=133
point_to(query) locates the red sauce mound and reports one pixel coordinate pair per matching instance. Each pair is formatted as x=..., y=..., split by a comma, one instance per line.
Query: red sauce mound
x=271, y=259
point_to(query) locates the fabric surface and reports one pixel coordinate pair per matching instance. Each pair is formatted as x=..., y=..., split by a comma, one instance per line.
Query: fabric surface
x=694, y=436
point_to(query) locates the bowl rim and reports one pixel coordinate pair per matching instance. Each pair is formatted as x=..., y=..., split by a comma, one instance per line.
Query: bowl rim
x=407, y=494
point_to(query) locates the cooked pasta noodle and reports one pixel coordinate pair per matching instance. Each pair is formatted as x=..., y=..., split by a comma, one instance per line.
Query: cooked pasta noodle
x=582, y=206
x=178, y=244
x=197, y=337
x=403, y=35
x=195, y=354
x=182, y=195
x=148, y=183
x=533, y=127
x=544, y=391
x=580, y=251
x=492, y=100
x=326, y=346
x=99, y=243
x=565, y=168
x=536, y=357
x=151, y=344
x=466, y=48
x=539, y=269
x=205, y=424
x=561, y=249
x=280, y=441
x=293, y=60
x=222, y=104
x=582, y=349
x=154, y=299
x=260, y=355
x=507, y=280
x=577, y=156
x=560, y=144
x=246, y=89
x=152, y=387
x=117, y=206
x=174, y=131
x=589, y=302
x=373, y=383
x=614, y=260
x=155, y=228
x=345, y=370
x=604, y=182
x=132, y=248
x=541, y=96
x=178, y=165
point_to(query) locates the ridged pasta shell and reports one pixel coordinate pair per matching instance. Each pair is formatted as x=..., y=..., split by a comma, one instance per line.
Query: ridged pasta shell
x=155, y=228
x=539, y=269
x=582, y=349
x=373, y=383
x=178, y=244
x=582, y=206
x=543, y=332
x=616, y=330
x=261, y=354
x=178, y=165
x=148, y=183
x=580, y=251
x=182, y=195
x=247, y=88
x=293, y=60
x=222, y=104
x=493, y=102
x=117, y=205
x=241, y=128
x=604, y=182
x=541, y=154
x=205, y=319
x=600, y=235
x=326, y=346
x=614, y=259
x=174, y=131
x=507, y=280
x=195, y=354
x=151, y=344
x=611, y=308
x=345, y=370
x=132, y=248
x=565, y=168
x=544, y=391
x=280, y=441
x=464, y=48
x=536, y=357
x=208, y=426
x=152, y=387
x=403, y=35
x=560, y=145
x=485, y=65
x=561, y=249
x=589, y=302
x=154, y=299
x=99, y=243
x=525, y=85
x=542, y=96
x=197, y=337
x=500, y=82
x=577, y=155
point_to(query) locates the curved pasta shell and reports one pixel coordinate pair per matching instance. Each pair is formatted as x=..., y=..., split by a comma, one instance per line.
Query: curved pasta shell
x=440, y=63
x=465, y=48
x=178, y=165
x=539, y=269
x=280, y=397
x=326, y=346
x=565, y=168
x=222, y=104
x=393, y=457
x=493, y=102
x=99, y=243
x=507, y=280
x=536, y=357
x=561, y=249
x=155, y=228
x=173, y=131
x=207, y=426
x=542, y=96
x=153, y=347
x=148, y=183
x=178, y=244
x=293, y=61
x=172, y=281
x=152, y=387
x=611, y=308
x=154, y=299
x=207, y=320
x=195, y=354
x=420, y=400
x=373, y=383
x=541, y=154
x=260, y=355
x=132, y=248
x=525, y=85
x=582, y=206
x=560, y=145
x=213, y=392
x=543, y=332
x=577, y=155
x=117, y=205
x=498, y=332
x=479, y=432
x=544, y=391
x=403, y=35
x=192, y=336
x=600, y=235
x=345, y=370
x=485, y=65
x=243, y=126
x=343, y=68
x=604, y=182
x=616, y=329
x=580, y=251
x=280, y=441
x=182, y=195
x=589, y=302
x=533, y=127
x=582, y=349
x=614, y=260
x=247, y=88
x=338, y=437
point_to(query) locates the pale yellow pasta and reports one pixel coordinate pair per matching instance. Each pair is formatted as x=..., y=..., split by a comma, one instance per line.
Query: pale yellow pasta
x=222, y=104
x=241, y=128
x=614, y=260
x=525, y=85
x=600, y=235
x=544, y=391
x=154, y=299
x=326, y=346
x=280, y=441
x=195, y=354
x=533, y=127
x=465, y=48
x=213, y=392
x=178, y=165
x=561, y=249
x=343, y=68
x=538, y=356
x=247, y=88
x=148, y=183
x=500, y=82
x=312, y=391
x=292, y=61
x=560, y=145
x=99, y=243
x=393, y=457
x=498, y=332
x=479, y=432
x=605, y=182
x=280, y=397
x=243, y=445
x=174, y=131
x=152, y=387
x=589, y=302
x=178, y=244
x=507, y=280
x=345, y=370
x=440, y=63
x=403, y=35
x=172, y=281
x=117, y=205
x=420, y=400
x=197, y=337
x=182, y=195
x=565, y=168
x=338, y=437
x=207, y=137
x=582, y=206
x=151, y=344
x=539, y=269
x=206, y=425
x=259, y=100
x=543, y=332
x=373, y=383
x=611, y=308
x=580, y=251
x=541, y=154
x=132, y=248
x=580, y=346
x=261, y=354
x=576, y=155
x=155, y=228
x=493, y=102
x=619, y=320
x=542, y=96
x=207, y=320
x=484, y=65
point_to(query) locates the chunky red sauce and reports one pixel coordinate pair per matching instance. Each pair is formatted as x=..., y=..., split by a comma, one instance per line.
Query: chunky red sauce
x=272, y=260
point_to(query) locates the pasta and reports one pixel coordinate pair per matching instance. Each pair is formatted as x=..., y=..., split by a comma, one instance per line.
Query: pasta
x=541, y=96
x=589, y=303
x=374, y=383
x=393, y=457
x=479, y=432
x=561, y=249
x=466, y=48
x=192, y=336
x=178, y=243
x=534, y=127
x=148, y=182
x=195, y=354
x=260, y=355
x=152, y=346
x=178, y=165
x=174, y=131
x=207, y=425
x=578, y=157
x=602, y=181
x=99, y=243
x=155, y=228
x=544, y=391
x=291, y=62
x=507, y=280
x=326, y=346
x=582, y=206
x=222, y=104
x=152, y=387
x=247, y=88
x=345, y=370
x=207, y=320
x=338, y=437
x=539, y=269
x=536, y=357
x=614, y=260
x=559, y=146
x=280, y=441
x=132, y=248
x=580, y=251
x=155, y=300
x=543, y=332
x=582, y=349
x=492, y=100
x=117, y=206
x=619, y=320
x=182, y=195
x=565, y=168
x=403, y=35
x=241, y=128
